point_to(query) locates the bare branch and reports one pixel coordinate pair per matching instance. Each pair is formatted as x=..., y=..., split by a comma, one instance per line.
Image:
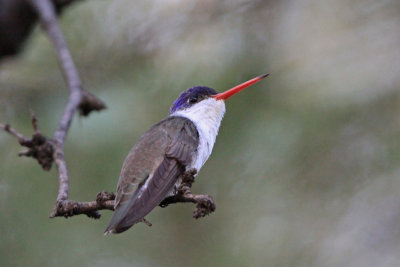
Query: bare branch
x=34, y=122
x=69, y=208
x=48, y=19
x=77, y=97
x=20, y=137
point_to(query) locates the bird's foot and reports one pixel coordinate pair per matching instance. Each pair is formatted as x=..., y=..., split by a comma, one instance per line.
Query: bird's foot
x=169, y=200
x=188, y=177
x=186, y=183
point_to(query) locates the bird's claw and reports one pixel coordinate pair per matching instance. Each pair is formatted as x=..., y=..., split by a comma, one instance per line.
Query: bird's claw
x=188, y=177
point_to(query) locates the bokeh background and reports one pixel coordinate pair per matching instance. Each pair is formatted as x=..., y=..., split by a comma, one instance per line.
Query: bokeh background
x=305, y=170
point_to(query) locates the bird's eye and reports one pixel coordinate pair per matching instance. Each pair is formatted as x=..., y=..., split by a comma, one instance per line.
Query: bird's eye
x=192, y=99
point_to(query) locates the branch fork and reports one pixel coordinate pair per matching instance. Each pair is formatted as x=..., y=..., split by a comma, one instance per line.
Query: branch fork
x=39, y=146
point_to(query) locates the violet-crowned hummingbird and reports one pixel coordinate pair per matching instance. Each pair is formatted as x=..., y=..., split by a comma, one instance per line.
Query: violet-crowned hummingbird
x=182, y=141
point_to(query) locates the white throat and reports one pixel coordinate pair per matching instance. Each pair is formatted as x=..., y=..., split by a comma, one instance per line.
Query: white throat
x=206, y=116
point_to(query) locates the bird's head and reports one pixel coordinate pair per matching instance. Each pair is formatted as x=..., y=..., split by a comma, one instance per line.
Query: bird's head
x=197, y=94
x=192, y=96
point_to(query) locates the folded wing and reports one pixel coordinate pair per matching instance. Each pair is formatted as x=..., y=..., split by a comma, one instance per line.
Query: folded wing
x=182, y=143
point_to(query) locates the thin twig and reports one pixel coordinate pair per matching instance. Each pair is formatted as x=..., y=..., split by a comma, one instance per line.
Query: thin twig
x=20, y=137
x=69, y=208
x=34, y=122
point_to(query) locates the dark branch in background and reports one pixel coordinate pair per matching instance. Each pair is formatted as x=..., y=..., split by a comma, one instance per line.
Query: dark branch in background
x=17, y=19
x=46, y=150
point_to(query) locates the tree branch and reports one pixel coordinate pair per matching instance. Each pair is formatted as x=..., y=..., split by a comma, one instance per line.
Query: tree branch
x=77, y=98
x=20, y=137
x=69, y=208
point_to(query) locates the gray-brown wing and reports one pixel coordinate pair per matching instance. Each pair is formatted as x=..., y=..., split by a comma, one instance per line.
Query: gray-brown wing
x=142, y=160
x=183, y=142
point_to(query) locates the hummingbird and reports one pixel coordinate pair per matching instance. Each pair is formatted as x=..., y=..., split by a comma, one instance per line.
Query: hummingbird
x=184, y=140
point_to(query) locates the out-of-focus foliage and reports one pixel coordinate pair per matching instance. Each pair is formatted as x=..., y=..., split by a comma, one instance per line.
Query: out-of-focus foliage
x=305, y=171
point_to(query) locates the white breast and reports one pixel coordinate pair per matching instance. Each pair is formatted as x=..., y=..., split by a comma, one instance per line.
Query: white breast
x=206, y=116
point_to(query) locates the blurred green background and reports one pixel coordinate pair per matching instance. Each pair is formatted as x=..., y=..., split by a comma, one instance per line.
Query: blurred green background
x=305, y=170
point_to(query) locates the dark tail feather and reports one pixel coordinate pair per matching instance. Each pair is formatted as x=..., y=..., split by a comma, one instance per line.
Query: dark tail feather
x=118, y=215
x=116, y=230
x=136, y=208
